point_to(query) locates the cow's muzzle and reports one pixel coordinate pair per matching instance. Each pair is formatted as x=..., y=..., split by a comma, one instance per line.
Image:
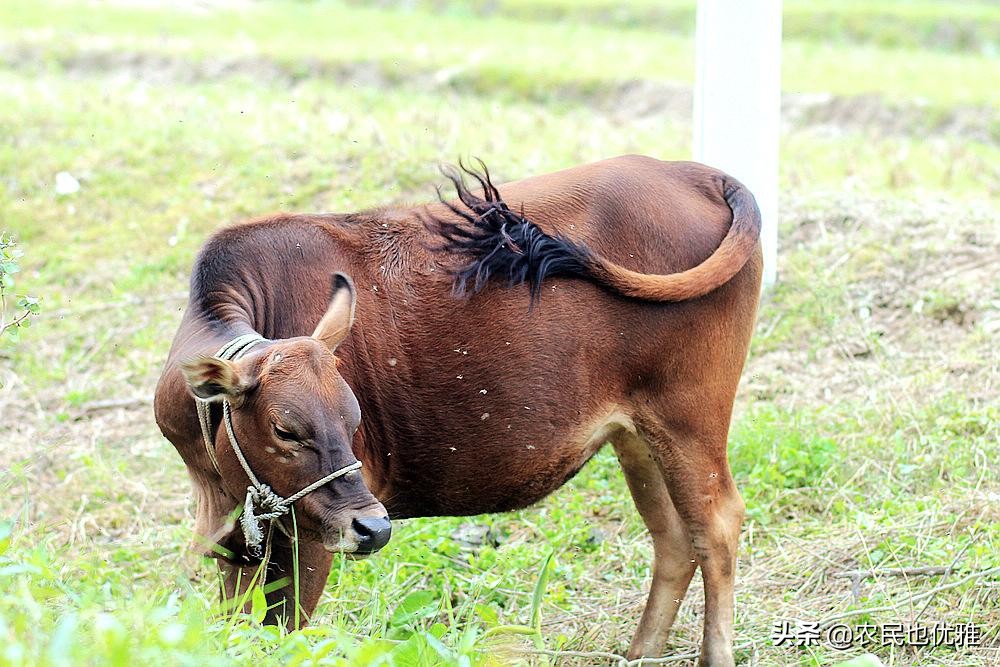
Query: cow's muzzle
x=373, y=533
x=358, y=534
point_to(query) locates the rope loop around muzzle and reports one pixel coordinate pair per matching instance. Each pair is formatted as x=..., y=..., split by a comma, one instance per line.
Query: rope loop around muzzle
x=262, y=504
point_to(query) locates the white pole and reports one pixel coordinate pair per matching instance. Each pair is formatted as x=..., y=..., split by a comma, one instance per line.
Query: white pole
x=737, y=101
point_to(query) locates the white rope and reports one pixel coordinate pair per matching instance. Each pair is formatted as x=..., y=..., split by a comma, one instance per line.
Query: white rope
x=227, y=419
x=205, y=419
x=234, y=349
x=320, y=482
x=262, y=503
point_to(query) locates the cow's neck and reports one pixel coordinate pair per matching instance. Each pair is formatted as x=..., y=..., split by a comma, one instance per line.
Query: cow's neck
x=377, y=366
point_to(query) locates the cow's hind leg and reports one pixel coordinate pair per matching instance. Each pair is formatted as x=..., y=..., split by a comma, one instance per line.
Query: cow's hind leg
x=694, y=463
x=673, y=557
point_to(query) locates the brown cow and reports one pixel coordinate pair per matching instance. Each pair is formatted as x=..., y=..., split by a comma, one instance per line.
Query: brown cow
x=482, y=404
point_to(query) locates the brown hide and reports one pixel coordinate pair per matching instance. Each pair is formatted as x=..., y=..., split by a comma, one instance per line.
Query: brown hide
x=483, y=404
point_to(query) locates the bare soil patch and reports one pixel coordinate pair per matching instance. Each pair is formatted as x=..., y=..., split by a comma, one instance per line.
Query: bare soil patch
x=907, y=301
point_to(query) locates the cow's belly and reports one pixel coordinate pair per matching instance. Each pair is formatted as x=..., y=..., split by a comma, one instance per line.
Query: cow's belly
x=500, y=473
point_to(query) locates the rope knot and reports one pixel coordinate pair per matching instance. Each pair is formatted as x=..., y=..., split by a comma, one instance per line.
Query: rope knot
x=262, y=504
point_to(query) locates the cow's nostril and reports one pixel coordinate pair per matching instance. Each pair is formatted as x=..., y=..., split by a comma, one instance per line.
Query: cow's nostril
x=373, y=532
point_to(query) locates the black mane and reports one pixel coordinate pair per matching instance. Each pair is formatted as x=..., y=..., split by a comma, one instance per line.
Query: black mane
x=499, y=242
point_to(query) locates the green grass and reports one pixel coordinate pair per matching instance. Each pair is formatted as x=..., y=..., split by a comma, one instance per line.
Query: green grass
x=932, y=24
x=500, y=54
x=866, y=425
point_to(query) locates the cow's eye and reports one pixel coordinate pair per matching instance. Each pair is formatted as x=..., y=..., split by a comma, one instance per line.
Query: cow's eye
x=284, y=435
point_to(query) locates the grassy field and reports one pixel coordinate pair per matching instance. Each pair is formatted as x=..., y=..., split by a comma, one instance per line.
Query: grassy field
x=933, y=24
x=866, y=433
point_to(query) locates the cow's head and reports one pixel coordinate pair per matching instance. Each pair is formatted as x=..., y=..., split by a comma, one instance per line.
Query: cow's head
x=294, y=418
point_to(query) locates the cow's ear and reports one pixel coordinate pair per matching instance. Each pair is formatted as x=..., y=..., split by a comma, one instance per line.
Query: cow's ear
x=214, y=379
x=339, y=317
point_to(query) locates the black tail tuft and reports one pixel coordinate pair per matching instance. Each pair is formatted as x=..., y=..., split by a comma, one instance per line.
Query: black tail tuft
x=500, y=242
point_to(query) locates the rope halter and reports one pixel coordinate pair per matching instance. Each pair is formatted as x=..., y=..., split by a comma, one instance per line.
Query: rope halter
x=262, y=503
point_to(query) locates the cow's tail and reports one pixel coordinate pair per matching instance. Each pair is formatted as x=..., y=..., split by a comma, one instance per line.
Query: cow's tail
x=734, y=251
x=500, y=242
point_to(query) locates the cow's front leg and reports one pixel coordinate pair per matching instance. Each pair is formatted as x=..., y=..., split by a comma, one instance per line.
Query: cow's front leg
x=313, y=569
